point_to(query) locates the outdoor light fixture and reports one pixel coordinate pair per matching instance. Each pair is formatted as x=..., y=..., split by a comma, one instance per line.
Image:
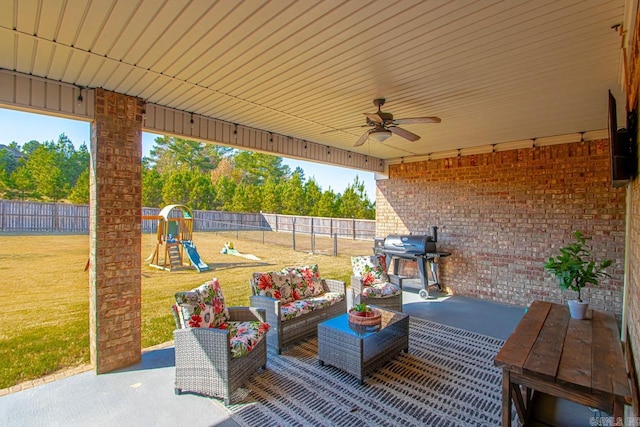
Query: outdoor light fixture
x=380, y=135
x=80, y=99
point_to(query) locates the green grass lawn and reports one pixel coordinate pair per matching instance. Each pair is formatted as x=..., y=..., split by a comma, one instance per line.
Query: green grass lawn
x=44, y=292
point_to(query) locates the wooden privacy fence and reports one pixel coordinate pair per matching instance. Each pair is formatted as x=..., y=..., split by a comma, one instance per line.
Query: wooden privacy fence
x=18, y=216
x=36, y=217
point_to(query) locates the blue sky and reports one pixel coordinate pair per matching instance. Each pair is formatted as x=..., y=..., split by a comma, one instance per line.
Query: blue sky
x=23, y=127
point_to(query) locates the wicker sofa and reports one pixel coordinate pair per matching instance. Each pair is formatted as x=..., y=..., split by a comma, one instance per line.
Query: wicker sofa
x=216, y=347
x=296, y=299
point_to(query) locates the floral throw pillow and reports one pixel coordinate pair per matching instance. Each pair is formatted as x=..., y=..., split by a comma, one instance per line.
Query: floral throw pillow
x=373, y=268
x=305, y=280
x=274, y=284
x=203, y=307
x=310, y=270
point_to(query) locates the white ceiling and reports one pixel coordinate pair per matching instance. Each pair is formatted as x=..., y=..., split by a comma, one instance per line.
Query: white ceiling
x=493, y=71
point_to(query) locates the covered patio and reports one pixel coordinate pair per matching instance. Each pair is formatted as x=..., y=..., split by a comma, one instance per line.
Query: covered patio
x=142, y=394
x=498, y=136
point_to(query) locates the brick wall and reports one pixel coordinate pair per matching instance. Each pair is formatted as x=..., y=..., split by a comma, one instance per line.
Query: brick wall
x=115, y=231
x=503, y=214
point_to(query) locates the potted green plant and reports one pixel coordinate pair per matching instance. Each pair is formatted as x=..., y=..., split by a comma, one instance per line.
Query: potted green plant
x=361, y=310
x=575, y=270
x=362, y=314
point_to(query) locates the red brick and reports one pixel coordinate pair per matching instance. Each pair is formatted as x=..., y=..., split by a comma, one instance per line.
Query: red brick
x=115, y=278
x=501, y=215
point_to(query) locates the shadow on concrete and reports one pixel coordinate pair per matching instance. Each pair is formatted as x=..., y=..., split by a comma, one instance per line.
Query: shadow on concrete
x=153, y=359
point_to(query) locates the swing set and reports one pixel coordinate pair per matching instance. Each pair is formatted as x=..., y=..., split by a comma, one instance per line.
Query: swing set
x=174, y=239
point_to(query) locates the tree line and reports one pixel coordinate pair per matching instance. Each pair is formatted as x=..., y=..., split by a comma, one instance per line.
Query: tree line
x=181, y=171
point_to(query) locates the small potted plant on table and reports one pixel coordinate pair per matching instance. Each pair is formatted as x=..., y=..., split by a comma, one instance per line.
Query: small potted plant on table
x=575, y=269
x=362, y=314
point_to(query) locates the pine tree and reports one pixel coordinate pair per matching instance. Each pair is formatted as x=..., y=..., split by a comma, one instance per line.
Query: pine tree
x=326, y=206
x=293, y=197
x=354, y=202
x=312, y=195
x=225, y=189
x=44, y=167
x=272, y=196
x=81, y=192
x=201, y=192
x=152, y=184
x=258, y=167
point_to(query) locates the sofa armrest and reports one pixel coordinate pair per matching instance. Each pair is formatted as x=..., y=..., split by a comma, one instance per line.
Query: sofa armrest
x=247, y=314
x=335, y=285
x=395, y=280
x=214, y=337
x=356, y=284
x=271, y=307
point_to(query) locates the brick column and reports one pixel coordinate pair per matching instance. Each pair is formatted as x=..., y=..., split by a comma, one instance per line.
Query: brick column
x=115, y=231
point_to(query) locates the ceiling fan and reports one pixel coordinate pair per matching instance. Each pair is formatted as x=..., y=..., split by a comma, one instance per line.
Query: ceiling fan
x=384, y=125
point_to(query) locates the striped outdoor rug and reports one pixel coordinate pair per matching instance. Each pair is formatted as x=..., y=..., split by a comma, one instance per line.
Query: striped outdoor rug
x=446, y=379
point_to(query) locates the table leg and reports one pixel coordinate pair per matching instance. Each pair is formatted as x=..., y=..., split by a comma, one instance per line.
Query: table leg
x=528, y=397
x=528, y=392
x=521, y=406
x=618, y=411
x=506, y=398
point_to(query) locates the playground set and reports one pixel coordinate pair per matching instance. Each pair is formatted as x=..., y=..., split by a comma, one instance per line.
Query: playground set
x=174, y=239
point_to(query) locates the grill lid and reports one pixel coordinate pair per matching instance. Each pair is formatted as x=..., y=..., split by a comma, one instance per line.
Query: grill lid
x=410, y=244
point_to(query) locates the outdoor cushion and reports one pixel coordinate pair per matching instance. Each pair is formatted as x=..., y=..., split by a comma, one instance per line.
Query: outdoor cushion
x=311, y=270
x=372, y=265
x=294, y=309
x=381, y=290
x=326, y=299
x=203, y=307
x=274, y=284
x=305, y=284
x=298, y=308
x=244, y=336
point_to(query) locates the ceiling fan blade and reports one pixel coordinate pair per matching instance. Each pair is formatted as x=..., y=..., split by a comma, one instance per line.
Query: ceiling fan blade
x=374, y=117
x=417, y=120
x=404, y=133
x=362, y=139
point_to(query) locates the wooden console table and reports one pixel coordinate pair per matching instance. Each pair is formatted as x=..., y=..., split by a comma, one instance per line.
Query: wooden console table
x=577, y=360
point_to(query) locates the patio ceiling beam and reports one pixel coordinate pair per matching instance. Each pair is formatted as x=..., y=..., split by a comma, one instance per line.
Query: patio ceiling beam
x=41, y=95
x=169, y=121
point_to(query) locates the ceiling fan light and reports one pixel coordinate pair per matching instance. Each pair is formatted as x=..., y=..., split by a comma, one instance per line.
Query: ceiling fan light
x=380, y=135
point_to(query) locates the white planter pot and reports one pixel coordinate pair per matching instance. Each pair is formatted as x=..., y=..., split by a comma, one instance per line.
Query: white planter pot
x=578, y=309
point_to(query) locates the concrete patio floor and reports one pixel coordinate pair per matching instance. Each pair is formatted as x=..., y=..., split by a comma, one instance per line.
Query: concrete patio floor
x=143, y=394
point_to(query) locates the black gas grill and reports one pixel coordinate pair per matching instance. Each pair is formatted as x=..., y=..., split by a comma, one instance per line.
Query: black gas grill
x=409, y=246
x=421, y=248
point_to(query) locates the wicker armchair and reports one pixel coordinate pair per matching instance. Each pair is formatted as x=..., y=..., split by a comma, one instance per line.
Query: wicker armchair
x=205, y=362
x=373, y=270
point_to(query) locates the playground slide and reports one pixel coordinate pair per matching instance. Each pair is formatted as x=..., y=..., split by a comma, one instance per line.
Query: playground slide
x=194, y=257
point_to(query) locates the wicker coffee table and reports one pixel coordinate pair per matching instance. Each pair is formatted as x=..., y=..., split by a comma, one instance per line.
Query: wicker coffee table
x=360, y=350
